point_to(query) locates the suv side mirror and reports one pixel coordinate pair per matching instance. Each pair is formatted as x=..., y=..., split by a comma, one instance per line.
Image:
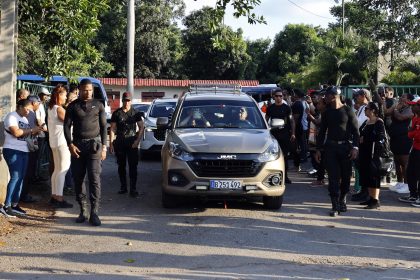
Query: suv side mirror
x=278, y=123
x=162, y=122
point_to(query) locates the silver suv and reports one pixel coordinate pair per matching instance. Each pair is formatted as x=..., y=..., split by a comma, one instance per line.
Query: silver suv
x=219, y=145
x=153, y=138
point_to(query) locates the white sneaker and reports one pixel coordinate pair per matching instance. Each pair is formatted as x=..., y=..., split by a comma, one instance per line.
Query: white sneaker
x=395, y=187
x=403, y=189
x=4, y=213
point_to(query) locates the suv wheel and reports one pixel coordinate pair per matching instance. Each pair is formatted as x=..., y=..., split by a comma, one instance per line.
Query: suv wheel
x=273, y=202
x=169, y=200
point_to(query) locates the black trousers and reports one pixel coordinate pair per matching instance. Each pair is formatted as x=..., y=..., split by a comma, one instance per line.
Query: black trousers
x=126, y=153
x=89, y=163
x=413, y=173
x=30, y=174
x=338, y=165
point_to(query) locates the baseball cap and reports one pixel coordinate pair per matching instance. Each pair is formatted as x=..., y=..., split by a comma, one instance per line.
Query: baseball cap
x=126, y=96
x=34, y=98
x=364, y=92
x=44, y=91
x=415, y=101
x=333, y=90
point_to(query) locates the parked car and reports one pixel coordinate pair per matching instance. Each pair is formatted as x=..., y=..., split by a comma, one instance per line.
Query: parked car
x=211, y=150
x=153, y=138
x=141, y=107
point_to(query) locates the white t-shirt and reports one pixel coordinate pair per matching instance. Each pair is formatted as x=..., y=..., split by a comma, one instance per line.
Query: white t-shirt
x=10, y=141
x=361, y=117
x=55, y=128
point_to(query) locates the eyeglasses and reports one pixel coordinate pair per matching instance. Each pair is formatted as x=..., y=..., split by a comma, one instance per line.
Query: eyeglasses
x=277, y=95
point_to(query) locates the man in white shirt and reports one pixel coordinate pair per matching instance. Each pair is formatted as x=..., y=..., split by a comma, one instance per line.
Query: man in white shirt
x=41, y=118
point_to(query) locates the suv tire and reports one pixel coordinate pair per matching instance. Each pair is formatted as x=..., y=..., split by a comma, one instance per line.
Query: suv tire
x=273, y=202
x=169, y=200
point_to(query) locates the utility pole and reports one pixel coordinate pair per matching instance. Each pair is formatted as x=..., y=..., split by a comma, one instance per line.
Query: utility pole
x=130, y=46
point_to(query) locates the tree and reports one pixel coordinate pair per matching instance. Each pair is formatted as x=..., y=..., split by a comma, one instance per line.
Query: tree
x=62, y=32
x=257, y=51
x=407, y=73
x=157, y=44
x=206, y=59
x=394, y=23
x=293, y=48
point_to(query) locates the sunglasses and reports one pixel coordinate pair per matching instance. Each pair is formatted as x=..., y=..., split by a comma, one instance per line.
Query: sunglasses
x=277, y=95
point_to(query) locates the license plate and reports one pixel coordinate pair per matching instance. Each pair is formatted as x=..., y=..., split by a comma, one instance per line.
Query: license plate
x=225, y=184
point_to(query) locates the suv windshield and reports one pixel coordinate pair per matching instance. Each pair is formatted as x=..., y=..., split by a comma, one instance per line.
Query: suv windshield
x=222, y=115
x=162, y=109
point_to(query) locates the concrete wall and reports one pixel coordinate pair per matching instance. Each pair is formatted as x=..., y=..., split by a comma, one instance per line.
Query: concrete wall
x=137, y=97
x=8, y=40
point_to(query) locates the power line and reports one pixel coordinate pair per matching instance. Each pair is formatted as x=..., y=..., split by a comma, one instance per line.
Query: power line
x=308, y=10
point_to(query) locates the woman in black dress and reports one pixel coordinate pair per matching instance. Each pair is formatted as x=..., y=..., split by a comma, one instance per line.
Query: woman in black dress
x=372, y=131
x=400, y=143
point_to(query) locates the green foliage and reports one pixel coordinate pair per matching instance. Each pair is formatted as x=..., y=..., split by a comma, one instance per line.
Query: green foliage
x=396, y=24
x=158, y=47
x=63, y=31
x=406, y=74
x=204, y=57
x=257, y=51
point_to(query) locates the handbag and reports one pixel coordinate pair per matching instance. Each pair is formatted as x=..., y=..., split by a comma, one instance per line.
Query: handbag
x=382, y=161
x=32, y=143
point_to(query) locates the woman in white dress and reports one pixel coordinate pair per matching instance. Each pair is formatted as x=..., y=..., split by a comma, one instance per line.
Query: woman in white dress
x=60, y=151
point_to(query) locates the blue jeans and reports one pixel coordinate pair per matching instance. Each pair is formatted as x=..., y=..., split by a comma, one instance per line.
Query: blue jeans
x=17, y=162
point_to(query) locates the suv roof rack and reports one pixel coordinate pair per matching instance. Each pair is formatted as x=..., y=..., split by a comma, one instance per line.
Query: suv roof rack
x=215, y=88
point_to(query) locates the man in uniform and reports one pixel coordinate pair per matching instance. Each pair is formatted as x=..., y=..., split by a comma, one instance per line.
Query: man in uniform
x=127, y=124
x=87, y=146
x=285, y=134
x=340, y=147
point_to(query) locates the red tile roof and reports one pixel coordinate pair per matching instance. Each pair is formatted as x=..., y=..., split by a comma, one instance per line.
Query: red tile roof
x=173, y=83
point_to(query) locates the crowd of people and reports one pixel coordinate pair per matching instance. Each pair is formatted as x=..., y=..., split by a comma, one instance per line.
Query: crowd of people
x=341, y=136
x=69, y=127
x=345, y=136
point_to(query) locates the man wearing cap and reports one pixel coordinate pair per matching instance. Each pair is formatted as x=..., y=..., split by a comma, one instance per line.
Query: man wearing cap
x=127, y=124
x=340, y=147
x=87, y=145
x=33, y=156
x=413, y=174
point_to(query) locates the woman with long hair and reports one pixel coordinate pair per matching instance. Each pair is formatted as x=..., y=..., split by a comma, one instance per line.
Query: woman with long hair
x=372, y=131
x=16, y=154
x=60, y=151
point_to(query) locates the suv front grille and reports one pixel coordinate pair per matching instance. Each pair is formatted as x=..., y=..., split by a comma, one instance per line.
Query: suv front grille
x=159, y=134
x=225, y=168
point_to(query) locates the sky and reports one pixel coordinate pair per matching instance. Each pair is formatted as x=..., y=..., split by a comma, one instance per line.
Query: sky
x=277, y=13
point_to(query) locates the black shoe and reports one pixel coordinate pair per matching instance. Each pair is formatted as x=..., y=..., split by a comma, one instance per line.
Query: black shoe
x=18, y=211
x=334, y=213
x=53, y=202
x=366, y=202
x=28, y=199
x=82, y=218
x=9, y=212
x=342, y=207
x=361, y=196
x=373, y=205
x=122, y=191
x=68, y=191
x=63, y=204
x=94, y=220
x=287, y=181
x=134, y=194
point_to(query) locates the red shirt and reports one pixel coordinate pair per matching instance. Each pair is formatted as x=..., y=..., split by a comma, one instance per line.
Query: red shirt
x=414, y=132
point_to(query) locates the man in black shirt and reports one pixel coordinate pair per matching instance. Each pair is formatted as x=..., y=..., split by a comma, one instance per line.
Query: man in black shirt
x=87, y=146
x=285, y=134
x=341, y=147
x=124, y=123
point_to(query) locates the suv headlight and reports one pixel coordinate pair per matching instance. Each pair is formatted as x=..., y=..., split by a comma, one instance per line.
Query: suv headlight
x=176, y=151
x=271, y=153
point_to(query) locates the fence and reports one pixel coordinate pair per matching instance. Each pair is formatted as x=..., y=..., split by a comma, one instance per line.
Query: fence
x=34, y=88
x=398, y=89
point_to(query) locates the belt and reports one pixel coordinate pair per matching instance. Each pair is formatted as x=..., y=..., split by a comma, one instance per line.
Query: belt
x=88, y=139
x=338, y=142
